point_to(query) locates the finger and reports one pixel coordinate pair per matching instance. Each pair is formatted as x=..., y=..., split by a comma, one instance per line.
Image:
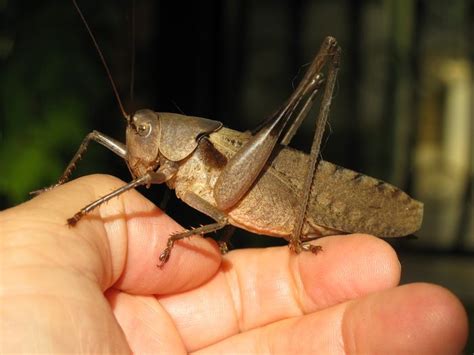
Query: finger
x=117, y=243
x=412, y=319
x=260, y=286
x=146, y=325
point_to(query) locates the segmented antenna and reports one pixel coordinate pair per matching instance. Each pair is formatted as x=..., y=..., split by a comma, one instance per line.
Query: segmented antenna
x=133, y=45
x=96, y=45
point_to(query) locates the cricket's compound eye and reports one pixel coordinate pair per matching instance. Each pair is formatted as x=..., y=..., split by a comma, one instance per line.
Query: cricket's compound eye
x=144, y=129
x=142, y=122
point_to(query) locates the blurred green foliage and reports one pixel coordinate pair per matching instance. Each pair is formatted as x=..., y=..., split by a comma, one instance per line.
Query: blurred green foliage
x=42, y=116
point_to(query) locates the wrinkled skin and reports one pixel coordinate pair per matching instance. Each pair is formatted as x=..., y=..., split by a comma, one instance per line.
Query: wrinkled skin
x=96, y=288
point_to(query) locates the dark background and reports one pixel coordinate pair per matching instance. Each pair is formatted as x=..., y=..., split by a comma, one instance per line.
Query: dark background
x=402, y=110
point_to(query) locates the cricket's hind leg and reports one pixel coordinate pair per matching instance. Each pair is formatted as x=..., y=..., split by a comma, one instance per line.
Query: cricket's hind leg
x=329, y=53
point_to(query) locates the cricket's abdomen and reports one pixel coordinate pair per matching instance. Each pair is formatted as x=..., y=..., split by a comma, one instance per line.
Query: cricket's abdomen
x=351, y=202
x=341, y=201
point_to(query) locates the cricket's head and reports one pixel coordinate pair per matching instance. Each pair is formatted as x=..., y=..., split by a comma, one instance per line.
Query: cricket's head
x=142, y=137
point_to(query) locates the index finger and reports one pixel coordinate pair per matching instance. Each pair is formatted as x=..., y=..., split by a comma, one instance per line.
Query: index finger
x=117, y=244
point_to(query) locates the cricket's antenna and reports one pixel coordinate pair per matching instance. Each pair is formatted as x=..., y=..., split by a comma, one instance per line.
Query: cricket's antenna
x=132, y=63
x=114, y=87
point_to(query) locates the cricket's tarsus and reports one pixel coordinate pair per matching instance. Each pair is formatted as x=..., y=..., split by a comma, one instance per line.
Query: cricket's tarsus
x=255, y=181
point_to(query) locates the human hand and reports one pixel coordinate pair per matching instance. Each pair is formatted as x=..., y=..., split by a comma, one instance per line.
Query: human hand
x=96, y=288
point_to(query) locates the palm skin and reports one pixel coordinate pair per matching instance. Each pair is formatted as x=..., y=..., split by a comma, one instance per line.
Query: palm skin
x=96, y=288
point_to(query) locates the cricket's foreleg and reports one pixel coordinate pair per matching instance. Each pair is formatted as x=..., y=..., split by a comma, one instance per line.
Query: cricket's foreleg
x=203, y=206
x=296, y=242
x=158, y=177
x=110, y=143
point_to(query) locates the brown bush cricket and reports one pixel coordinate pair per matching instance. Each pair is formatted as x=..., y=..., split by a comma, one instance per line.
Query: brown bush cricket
x=255, y=181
